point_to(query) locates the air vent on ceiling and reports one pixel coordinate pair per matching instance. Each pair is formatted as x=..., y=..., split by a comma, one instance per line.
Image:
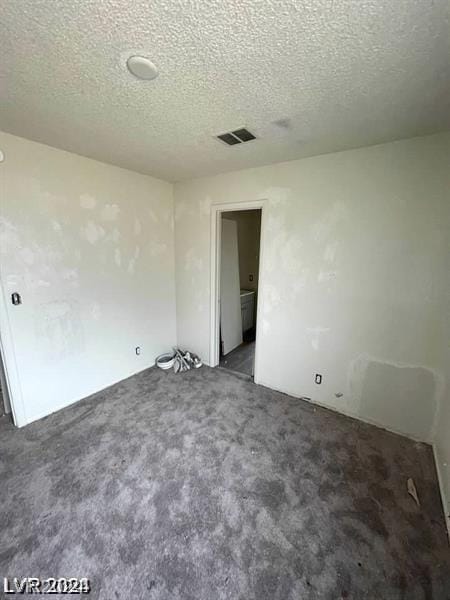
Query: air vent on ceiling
x=236, y=137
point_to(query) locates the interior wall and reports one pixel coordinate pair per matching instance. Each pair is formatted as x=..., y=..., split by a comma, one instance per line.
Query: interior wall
x=90, y=249
x=355, y=284
x=249, y=231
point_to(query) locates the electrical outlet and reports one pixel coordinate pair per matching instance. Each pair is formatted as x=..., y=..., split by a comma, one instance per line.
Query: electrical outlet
x=138, y=350
x=318, y=378
x=250, y=277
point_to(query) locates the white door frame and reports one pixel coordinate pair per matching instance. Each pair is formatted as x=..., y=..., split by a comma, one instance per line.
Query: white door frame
x=8, y=358
x=216, y=212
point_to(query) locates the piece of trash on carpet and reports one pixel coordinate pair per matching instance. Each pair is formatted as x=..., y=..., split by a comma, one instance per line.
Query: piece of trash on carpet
x=412, y=490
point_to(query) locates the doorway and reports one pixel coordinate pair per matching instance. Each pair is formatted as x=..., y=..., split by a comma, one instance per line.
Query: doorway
x=236, y=283
x=5, y=405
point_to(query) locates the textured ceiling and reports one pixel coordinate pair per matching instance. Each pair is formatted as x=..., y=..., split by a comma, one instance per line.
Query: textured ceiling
x=334, y=74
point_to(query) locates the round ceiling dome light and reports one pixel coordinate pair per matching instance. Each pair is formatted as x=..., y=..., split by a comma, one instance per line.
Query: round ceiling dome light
x=142, y=68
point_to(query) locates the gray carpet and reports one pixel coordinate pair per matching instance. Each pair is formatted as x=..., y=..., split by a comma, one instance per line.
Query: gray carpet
x=205, y=486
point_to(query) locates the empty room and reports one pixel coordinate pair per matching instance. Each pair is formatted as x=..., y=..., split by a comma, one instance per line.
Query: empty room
x=225, y=299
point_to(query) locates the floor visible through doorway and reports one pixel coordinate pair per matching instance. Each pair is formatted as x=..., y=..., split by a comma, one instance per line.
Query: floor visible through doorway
x=241, y=359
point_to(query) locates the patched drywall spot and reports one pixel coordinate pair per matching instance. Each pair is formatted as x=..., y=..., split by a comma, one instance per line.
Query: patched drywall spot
x=132, y=261
x=199, y=301
x=95, y=311
x=110, y=212
x=403, y=396
x=71, y=275
x=9, y=237
x=157, y=248
x=275, y=223
x=329, y=254
x=117, y=257
x=265, y=326
x=299, y=283
x=87, y=201
x=113, y=236
x=328, y=224
x=315, y=334
x=181, y=210
x=152, y=215
x=290, y=256
x=27, y=256
x=192, y=262
x=277, y=195
x=326, y=276
x=271, y=298
x=56, y=226
x=92, y=232
x=12, y=280
x=205, y=206
x=59, y=330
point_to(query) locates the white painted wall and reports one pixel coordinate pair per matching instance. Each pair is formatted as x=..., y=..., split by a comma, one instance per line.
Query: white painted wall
x=356, y=284
x=355, y=276
x=90, y=248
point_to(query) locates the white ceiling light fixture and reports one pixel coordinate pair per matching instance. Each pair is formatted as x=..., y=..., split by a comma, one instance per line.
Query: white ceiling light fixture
x=142, y=68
